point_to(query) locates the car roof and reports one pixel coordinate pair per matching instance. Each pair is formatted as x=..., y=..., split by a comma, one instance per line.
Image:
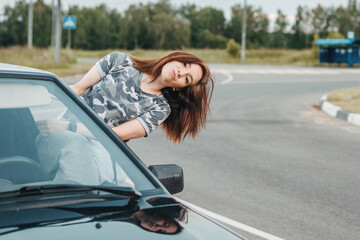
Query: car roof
x=6, y=67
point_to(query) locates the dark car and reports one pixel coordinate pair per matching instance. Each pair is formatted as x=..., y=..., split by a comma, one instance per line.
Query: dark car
x=64, y=174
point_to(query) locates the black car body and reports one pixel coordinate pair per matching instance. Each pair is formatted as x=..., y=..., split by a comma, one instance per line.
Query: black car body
x=58, y=184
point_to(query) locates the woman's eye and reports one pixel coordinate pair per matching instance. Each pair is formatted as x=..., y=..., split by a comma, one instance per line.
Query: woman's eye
x=186, y=79
x=184, y=64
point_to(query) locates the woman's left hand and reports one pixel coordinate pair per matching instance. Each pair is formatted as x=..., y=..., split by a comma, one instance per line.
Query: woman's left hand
x=50, y=126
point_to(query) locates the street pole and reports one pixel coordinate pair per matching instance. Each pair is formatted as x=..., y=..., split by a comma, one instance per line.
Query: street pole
x=30, y=25
x=243, y=35
x=58, y=33
x=53, y=23
x=69, y=39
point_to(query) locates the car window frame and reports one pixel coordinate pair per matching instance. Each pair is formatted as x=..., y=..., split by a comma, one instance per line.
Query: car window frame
x=47, y=76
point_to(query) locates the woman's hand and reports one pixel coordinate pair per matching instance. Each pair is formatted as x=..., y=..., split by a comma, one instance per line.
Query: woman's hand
x=77, y=89
x=50, y=126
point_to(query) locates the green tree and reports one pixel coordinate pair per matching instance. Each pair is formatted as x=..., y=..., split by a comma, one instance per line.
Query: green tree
x=13, y=28
x=115, y=27
x=344, y=20
x=319, y=16
x=189, y=13
x=279, y=34
x=257, y=28
x=299, y=38
x=41, y=24
x=257, y=24
x=210, y=40
x=135, y=27
x=348, y=18
x=323, y=20
x=210, y=19
x=234, y=26
x=354, y=12
x=166, y=30
x=93, y=28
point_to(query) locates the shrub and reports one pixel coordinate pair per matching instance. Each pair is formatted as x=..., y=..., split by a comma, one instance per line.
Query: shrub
x=335, y=35
x=210, y=40
x=233, y=48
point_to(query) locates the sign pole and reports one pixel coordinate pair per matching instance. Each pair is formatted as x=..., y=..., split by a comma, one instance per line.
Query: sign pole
x=69, y=39
x=243, y=37
x=69, y=23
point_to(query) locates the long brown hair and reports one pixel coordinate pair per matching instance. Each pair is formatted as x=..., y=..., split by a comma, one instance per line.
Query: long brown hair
x=189, y=105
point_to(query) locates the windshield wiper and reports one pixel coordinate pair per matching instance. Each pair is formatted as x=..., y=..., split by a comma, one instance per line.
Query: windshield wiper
x=70, y=188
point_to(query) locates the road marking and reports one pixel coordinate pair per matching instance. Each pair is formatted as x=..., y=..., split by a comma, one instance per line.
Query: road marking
x=227, y=74
x=231, y=222
x=281, y=71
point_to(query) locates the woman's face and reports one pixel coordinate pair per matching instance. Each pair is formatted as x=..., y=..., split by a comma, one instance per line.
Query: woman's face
x=178, y=75
x=160, y=226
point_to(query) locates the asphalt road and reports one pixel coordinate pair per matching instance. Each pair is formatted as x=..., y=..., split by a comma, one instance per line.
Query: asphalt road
x=268, y=158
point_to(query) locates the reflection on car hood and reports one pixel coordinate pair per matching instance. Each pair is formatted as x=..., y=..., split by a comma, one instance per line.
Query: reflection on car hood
x=121, y=227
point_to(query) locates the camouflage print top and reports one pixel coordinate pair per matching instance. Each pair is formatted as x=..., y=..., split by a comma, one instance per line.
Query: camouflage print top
x=118, y=98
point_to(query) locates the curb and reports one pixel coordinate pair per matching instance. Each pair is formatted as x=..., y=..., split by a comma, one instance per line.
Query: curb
x=337, y=112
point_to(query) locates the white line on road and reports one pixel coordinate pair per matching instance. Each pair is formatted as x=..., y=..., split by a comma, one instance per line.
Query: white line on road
x=289, y=71
x=232, y=223
x=227, y=74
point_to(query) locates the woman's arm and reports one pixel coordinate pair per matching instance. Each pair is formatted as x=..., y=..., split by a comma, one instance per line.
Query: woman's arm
x=130, y=130
x=91, y=78
x=50, y=126
x=126, y=131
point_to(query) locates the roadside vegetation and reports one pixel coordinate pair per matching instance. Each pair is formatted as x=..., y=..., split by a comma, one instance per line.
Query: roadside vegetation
x=264, y=56
x=347, y=99
x=43, y=58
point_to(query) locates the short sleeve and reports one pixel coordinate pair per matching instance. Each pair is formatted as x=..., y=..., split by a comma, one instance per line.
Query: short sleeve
x=153, y=118
x=113, y=62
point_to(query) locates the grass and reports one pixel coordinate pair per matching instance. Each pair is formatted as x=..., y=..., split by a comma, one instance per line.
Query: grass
x=253, y=56
x=44, y=58
x=347, y=99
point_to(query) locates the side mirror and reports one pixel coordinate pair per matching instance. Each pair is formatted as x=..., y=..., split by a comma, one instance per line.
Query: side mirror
x=170, y=175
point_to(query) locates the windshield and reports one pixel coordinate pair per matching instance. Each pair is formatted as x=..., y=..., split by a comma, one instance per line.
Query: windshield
x=45, y=138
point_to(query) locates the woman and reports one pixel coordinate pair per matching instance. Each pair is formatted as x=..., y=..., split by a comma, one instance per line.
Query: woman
x=134, y=96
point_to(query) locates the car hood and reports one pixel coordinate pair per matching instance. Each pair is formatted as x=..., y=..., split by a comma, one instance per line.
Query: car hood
x=122, y=226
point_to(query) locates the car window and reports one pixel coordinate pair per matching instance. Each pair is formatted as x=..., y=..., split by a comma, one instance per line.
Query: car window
x=46, y=137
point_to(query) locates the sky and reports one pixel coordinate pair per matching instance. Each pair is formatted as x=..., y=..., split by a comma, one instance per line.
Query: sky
x=270, y=7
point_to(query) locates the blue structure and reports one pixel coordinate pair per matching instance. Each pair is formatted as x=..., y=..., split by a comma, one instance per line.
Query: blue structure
x=339, y=50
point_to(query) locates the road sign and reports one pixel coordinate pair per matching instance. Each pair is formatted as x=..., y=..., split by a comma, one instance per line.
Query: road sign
x=69, y=22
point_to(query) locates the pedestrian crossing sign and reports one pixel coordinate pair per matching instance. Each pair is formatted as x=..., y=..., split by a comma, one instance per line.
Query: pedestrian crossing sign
x=69, y=22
